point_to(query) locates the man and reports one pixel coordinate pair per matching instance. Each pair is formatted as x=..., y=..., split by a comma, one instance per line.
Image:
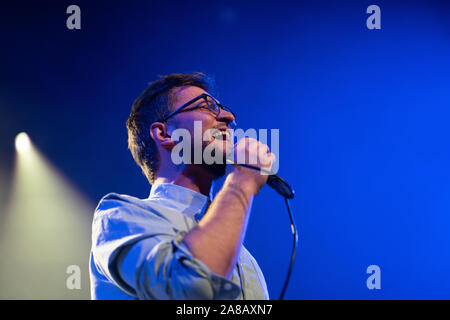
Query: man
x=177, y=244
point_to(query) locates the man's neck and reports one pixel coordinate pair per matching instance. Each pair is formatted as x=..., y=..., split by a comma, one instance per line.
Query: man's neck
x=192, y=177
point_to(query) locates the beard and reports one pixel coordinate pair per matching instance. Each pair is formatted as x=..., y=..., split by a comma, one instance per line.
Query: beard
x=218, y=168
x=213, y=157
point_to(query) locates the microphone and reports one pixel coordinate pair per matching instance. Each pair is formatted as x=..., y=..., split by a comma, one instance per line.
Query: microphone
x=274, y=181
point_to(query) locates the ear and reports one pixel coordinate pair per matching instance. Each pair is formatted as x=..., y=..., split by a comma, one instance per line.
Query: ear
x=158, y=132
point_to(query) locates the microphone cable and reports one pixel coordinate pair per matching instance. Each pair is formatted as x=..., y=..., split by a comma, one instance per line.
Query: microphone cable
x=285, y=190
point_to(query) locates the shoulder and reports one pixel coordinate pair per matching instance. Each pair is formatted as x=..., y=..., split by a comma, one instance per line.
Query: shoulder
x=114, y=206
x=119, y=215
x=115, y=200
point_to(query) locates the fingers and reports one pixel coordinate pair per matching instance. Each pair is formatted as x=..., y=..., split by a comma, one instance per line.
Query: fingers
x=253, y=152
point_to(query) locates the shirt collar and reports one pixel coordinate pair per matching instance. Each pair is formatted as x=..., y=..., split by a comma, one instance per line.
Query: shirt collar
x=185, y=200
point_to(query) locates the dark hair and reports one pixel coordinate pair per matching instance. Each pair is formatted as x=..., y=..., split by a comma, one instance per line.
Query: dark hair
x=153, y=104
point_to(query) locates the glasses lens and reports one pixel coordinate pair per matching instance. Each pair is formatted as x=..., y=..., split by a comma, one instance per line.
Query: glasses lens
x=212, y=105
x=215, y=108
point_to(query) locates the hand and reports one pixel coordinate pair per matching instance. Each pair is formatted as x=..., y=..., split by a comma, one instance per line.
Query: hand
x=252, y=152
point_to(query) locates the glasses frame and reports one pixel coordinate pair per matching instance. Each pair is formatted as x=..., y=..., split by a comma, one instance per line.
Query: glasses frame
x=202, y=96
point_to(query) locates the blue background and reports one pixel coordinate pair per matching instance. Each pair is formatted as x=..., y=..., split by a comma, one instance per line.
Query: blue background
x=363, y=118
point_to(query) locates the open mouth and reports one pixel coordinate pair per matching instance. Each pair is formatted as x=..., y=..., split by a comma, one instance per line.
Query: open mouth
x=221, y=135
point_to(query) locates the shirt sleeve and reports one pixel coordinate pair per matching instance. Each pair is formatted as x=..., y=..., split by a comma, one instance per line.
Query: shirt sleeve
x=142, y=253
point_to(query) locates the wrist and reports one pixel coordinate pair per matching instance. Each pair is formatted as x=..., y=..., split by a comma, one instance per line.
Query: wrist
x=244, y=183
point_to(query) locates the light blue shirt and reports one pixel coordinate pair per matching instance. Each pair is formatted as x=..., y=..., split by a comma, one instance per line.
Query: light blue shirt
x=137, y=251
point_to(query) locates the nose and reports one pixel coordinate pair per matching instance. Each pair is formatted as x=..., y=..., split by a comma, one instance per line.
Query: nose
x=227, y=117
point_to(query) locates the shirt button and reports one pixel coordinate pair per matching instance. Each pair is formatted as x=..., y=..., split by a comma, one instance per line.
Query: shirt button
x=227, y=286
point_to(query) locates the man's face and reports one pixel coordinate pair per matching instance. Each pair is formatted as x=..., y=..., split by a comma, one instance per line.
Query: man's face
x=208, y=121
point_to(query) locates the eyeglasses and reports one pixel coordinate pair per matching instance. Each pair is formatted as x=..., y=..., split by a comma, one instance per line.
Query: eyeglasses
x=211, y=104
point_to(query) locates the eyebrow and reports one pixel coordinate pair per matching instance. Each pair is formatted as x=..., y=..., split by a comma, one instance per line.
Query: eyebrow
x=204, y=99
x=197, y=104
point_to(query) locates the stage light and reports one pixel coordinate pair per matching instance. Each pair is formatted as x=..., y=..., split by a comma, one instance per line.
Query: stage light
x=44, y=228
x=23, y=142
